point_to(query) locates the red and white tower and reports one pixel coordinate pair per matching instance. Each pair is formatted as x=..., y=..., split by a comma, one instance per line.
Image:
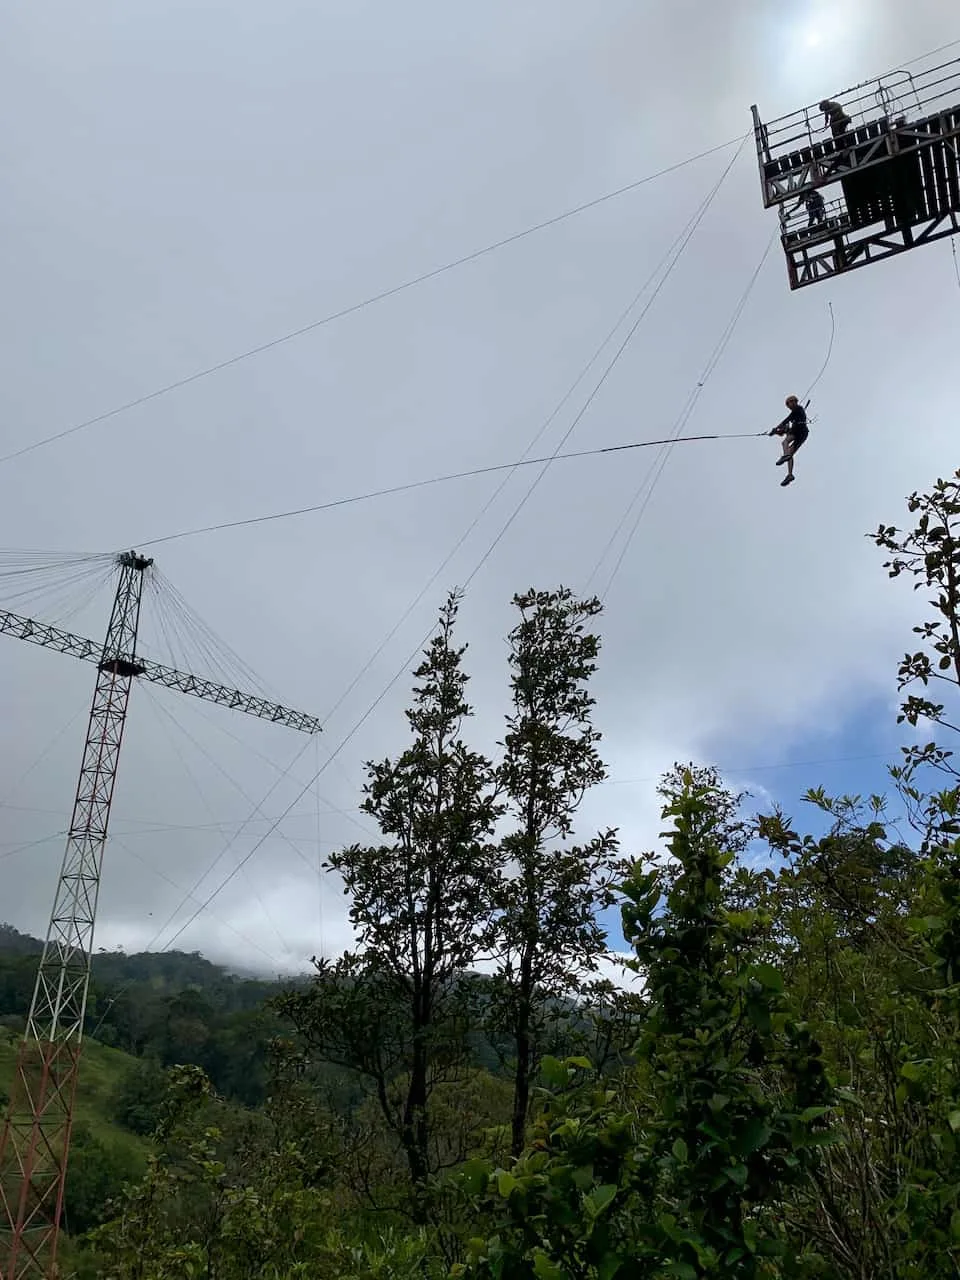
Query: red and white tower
x=35, y=1140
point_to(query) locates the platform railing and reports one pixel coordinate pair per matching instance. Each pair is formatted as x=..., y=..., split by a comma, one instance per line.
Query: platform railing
x=897, y=96
x=795, y=222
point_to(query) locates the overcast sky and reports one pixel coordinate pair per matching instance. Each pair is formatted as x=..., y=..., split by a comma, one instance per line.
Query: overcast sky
x=182, y=182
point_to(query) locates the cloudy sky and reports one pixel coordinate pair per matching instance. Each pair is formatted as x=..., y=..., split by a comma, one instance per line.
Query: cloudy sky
x=184, y=182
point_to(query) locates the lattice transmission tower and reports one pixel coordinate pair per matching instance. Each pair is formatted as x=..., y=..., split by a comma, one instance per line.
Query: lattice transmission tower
x=35, y=1140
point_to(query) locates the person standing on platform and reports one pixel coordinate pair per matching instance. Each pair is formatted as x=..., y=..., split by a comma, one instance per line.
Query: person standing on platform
x=835, y=117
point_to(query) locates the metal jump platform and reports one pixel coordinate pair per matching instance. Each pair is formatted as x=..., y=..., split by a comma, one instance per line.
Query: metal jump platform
x=885, y=161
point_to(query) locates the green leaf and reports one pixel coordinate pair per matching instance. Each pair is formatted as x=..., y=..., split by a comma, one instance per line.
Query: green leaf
x=759, y=1015
x=506, y=1183
x=768, y=976
x=912, y=1071
x=547, y=1269
x=680, y=1152
x=750, y=1235
x=953, y=1120
x=847, y=1095
x=553, y=1073
x=608, y=1266
x=474, y=1175
x=813, y=1113
x=737, y=1174
x=581, y=1063
x=755, y=1134
x=682, y=1270
x=926, y=924
x=599, y=1198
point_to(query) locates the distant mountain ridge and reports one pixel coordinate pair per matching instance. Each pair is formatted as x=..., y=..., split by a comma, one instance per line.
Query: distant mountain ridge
x=121, y=966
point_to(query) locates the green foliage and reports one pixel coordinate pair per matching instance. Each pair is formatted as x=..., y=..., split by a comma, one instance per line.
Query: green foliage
x=18, y=975
x=398, y=1012
x=138, y=1097
x=739, y=1092
x=96, y=1175
x=780, y=1102
x=169, y=1007
x=859, y=918
x=100, y=1074
x=257, y=1207
x=728, y=1108
x=930, y=554
x=193, y=1216
x=546, y=934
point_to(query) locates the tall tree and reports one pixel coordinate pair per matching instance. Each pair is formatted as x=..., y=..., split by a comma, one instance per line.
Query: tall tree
x=930, y=554
x=395, y=1009
x=547, y=935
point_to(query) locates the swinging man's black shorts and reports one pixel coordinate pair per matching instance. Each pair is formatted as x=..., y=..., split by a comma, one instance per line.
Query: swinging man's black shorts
x=798, y=435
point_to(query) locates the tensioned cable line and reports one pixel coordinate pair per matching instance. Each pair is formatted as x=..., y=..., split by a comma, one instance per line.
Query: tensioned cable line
x=162, y=828
x=369, y=301
x=680, y=241
x=212, y=760
x=757, y=768
x=685, y=415
x=125, y=987
x=679, y=244
x=483, y=559
x=615, y=358
x=170, y=715
x=33, y=844
x=15, y=847
x=685, y=239
x=435, y=480
x=219, y=723
x=192, y=894
x=150, y=864
x=321, y=928
x=384, y=294
x=663, y=264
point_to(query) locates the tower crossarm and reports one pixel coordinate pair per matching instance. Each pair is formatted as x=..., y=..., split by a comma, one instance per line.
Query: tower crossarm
x=51, y=637
x=198, y=687
x=11, y=624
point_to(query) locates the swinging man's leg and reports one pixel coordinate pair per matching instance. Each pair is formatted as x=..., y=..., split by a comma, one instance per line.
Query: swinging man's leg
x=790, y=447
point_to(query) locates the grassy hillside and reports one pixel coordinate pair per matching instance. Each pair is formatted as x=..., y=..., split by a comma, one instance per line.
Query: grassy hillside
x=101, y=1071
x=172, y=1007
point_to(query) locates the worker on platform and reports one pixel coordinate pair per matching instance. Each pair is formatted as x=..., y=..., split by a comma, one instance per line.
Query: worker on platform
x=835, y=117
x=816, y=209
x=794, y=430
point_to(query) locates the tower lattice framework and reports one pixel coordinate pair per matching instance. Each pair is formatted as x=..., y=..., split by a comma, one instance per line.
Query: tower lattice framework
x=35, y=1140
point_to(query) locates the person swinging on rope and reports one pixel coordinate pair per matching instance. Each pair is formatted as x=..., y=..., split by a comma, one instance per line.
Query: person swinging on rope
x=794, y=430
